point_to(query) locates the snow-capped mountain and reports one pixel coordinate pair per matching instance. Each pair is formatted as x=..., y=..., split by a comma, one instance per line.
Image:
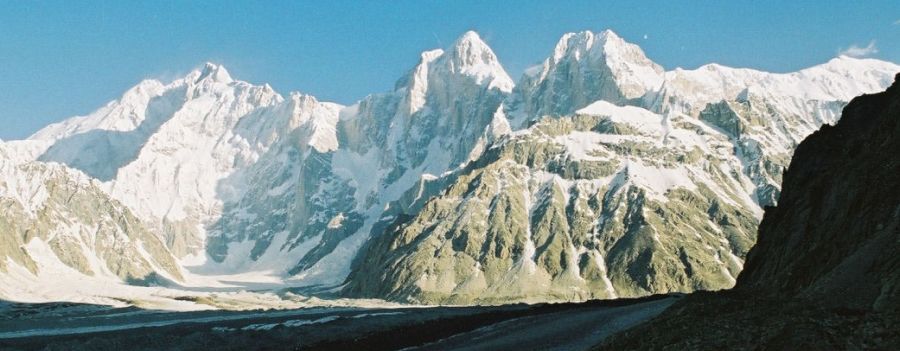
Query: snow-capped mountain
x=322, y=205
x=598, y=174
x=629, y=181
x=173, y=153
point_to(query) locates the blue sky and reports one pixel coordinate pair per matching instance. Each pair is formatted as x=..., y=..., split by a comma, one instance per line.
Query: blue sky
x=65, y=58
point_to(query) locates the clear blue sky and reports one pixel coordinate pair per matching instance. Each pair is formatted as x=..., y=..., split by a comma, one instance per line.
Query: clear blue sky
x=65, y=58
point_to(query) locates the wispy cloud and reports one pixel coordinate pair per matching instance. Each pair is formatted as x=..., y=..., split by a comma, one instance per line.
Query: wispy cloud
x=897, y=22
x=856, y=51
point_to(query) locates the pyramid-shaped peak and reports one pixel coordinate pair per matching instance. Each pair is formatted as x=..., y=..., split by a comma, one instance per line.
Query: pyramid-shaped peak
x=470, y=37
x=471, y=50
x=470, y=55
x=214, y=72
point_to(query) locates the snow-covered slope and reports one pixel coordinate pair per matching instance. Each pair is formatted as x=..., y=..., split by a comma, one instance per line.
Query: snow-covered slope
x=312, y=209
x=767, y=114
x=839, y=79
x=174, y=153
x=599, y=174
x=56, y=220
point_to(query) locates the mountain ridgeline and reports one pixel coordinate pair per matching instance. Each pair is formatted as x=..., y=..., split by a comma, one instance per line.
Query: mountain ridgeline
x=597, y=175
x=825, y=272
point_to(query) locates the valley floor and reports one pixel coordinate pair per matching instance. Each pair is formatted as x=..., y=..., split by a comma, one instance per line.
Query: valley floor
x=570, y=326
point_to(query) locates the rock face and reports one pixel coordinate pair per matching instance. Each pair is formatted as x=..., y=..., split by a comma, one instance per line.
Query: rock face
x=608, y=203
x=281, y=204
x=56, y=218
x=825, y=271
x=836, y=231
x=587, y=67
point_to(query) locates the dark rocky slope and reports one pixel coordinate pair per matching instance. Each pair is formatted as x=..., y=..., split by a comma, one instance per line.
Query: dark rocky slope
x=825, y=273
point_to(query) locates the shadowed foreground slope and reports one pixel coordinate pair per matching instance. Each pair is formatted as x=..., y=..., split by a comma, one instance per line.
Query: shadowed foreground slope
x=825, y=273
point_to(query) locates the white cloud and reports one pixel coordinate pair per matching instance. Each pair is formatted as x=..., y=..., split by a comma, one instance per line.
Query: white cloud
x=856, y=51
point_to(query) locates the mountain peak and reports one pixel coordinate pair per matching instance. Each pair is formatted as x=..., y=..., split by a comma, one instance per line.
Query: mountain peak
x=299, y=99
x=470, y=37
x=609, y=34
x=586, y=43
x=585, y=67
x=214, y=72
x=470, y=55
x=572, y=41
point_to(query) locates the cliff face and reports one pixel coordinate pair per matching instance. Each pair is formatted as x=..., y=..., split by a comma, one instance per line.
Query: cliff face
x=825, y=273
x=612, y=202
x=835, y=235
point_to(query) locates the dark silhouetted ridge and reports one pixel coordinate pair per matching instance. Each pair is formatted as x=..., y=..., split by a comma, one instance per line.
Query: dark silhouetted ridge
x=825, y=272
